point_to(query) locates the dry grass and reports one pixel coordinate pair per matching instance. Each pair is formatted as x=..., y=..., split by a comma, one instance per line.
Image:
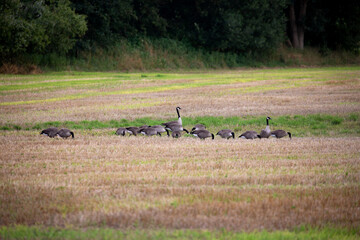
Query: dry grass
x=99, y=179
x=221, y=93
x=179, y=183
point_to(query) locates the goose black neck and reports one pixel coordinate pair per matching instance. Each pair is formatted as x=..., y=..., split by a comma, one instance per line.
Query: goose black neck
x=177, y=110
x=212, y=135
x=289, y=134
x=233, y=134
x=72, y=134
x=267, y=121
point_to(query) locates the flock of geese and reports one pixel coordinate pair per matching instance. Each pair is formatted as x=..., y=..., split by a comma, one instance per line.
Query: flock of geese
x=176, y=129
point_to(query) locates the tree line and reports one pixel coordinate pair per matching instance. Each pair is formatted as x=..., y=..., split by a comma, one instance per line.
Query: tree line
x=241, y=27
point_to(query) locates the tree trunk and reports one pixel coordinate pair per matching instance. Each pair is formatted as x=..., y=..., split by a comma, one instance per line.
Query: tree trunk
x=301, y=22
x=297, y=23
x=293, y=26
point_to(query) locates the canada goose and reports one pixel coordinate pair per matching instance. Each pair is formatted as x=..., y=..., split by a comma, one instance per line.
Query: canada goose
x=178, y=133
x=198, y=127
x=50, y=132
x=249, y=135
x=179, y=121
x=142, y=128
x=202, y=134
x=65, y=133
x=132, y=130
x=226, y=133
x=150, y=131
x=176, y=127
x=265, y=133
x=160, y=129
x=280, y=133
x=121, y=131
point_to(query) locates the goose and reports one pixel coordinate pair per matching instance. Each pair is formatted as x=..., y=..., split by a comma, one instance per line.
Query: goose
x=265, y=133
x=121, y=131
x=132, y=130
x=160, y=129
x=176, y=127
x=142, y=127
x=198, y=127
x=249, y=135
x=202, y=134
x=179, y=121
x=178, y=133
x=65, y=133
x=150, y=131
x=50, y=132
x=226, y=133
x=280, y=133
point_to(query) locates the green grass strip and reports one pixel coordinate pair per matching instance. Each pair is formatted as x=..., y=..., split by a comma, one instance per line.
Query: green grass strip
x=301, y=233
x=298, y=125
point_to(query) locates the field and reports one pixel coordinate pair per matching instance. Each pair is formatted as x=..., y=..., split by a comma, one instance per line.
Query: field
x=160, y=187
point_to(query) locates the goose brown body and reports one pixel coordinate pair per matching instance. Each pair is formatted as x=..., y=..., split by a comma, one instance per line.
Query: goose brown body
x=121, y=131
x=202, y=134
x=133, y=130
x=280, y=133
x=160, y=129
x=249, y=135
x=198, y=127
x=65, y=133
x=226, y=133
x=150, y=131
x=50, y=132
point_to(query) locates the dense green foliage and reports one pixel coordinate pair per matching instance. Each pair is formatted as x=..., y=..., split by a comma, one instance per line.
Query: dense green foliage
x=38, y=27
x=241, y=27
x=333, y=24
x=42, y=32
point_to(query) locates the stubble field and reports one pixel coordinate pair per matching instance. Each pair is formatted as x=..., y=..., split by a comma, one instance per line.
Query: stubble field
x=100, y=180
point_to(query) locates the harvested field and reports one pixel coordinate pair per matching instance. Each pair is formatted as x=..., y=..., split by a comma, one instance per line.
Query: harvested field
x=102, y=180
x=180, y=183
x=109, y=96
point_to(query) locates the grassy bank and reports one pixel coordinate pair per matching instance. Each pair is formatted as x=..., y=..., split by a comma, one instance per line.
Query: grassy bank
x=172, y=55
x=24, y=232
